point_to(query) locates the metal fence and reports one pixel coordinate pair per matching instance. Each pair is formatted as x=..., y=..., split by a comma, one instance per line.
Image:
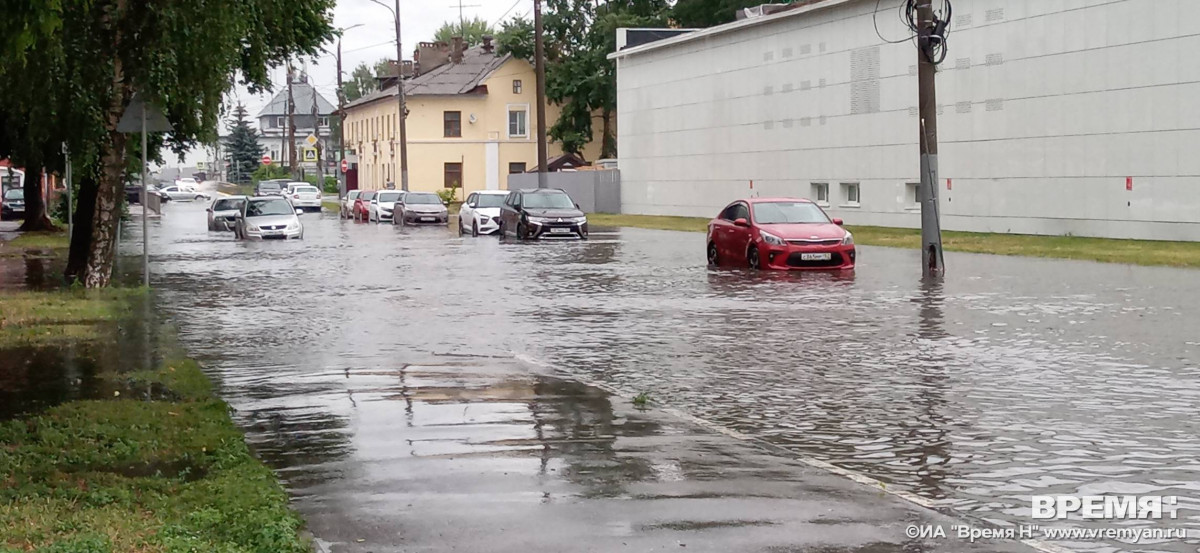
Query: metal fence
x=594, y=191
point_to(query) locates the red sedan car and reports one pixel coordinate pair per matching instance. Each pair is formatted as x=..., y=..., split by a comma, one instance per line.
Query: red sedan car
x=779, y=233
x=362, y=205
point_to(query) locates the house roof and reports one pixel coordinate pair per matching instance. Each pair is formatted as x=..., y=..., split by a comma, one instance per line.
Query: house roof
x=796, y=8
x=304, y=95
x=446, y=80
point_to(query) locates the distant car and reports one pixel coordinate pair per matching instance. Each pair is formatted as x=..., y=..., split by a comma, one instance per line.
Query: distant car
x=536, y=213
x=187, y=183
x=133, y=194
x=362, y=205
x=13, y=204
x=779, y=233
x=268, y=218
x=348, y=203
x=480, y=214
x=420, y=208
x=268, y=188
x=178, y=193
x=305, y=196
x=383, y=207
x=222, y=214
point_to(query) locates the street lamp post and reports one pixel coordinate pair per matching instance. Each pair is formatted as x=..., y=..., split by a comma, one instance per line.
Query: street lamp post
x=400, y=97
x=342, y=113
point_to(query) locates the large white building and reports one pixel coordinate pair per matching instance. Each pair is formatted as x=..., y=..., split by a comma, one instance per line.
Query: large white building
x=1056, y=116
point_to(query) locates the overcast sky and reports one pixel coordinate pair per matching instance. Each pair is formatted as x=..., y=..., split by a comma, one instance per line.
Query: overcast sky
x=373, y=40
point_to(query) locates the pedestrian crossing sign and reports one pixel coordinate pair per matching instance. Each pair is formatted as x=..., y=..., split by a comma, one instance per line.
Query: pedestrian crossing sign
x=310, y=154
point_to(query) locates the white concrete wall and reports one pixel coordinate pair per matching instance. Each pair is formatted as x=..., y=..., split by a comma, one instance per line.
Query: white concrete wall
x=1047, y=107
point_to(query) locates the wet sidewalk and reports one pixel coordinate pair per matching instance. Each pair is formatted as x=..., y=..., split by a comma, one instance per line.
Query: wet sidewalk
x=470, y=454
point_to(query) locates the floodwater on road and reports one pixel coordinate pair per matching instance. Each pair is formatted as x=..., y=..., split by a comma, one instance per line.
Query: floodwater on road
x=1015, y=377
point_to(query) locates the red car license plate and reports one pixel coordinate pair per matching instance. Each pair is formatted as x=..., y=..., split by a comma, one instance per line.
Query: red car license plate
x=815, y=256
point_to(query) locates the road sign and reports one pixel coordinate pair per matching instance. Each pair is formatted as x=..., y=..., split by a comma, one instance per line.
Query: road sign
x=310, y=154
x=345, y=166
x=311, y=140
x=266, y=159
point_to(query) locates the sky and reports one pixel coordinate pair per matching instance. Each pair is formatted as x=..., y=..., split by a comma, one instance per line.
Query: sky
x=375, y=39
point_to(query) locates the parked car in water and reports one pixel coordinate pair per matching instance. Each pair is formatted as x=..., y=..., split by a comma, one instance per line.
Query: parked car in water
x=133, y=194
x=268, y=218
x=383, y=207
x=269, y=188
x=421, y=208
x=347, y=204
x=178, y=193
x=480, y=214
x=779, y=233
x=305, y=196
x=222, y=214
x=536, y=213
x=12, y=206
x=187, y=183
x=362, y=205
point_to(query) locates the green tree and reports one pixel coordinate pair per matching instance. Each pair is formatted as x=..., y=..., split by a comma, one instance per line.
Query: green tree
x=270, y=172
x=698, y=14
x=179, y=55
x=364, y=80
x=516, y=38
x=242, y=144
x=471, y=30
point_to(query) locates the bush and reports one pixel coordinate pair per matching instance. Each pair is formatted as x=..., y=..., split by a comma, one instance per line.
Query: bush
x=330, y=187
x=448, y=194
x=269, y=172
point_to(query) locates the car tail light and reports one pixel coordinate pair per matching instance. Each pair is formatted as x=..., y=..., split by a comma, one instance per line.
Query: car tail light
x=296, y=196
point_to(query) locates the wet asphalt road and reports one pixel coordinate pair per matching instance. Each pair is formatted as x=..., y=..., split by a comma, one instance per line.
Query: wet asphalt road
x=1015, y=377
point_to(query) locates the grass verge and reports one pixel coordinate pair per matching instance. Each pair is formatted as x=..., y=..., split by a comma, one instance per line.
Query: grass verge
x=331, y=206
x=39, y=318
x=1107, y=250
x=17, y=247
x=170, y=474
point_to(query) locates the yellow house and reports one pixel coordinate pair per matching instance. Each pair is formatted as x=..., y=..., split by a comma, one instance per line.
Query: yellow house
x=471, y=122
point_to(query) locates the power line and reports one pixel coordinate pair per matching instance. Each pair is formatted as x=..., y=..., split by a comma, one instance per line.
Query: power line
x=506, y=12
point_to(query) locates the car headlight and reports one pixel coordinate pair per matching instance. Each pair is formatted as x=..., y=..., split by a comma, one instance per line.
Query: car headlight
x=294, y=226
x=848, y=240
x=252, y=228
x=539, y=220
x=579, y=220
x=771, y=238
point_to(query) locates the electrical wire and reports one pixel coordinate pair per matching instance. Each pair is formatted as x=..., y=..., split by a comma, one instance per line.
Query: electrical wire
x=875, y=21
x=931, y=42
x=506, y=12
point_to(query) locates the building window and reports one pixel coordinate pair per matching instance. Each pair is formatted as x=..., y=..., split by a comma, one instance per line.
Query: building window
x=850, y=193
x=323, y=121
x=452, y=124
x=516, y=86
x=912, y=194
x=453, y=175
x=516, y=167
x=279, y=122
x=517, y=123
x=820, y=193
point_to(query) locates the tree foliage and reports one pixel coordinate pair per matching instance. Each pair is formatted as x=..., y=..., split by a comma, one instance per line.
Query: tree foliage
x=516, y=38
x=363, y=80
x=87, y=58
x=698, y=14
x=471, y=30
x=242, y=144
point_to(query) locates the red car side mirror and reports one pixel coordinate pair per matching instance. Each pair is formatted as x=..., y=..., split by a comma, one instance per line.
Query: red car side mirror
x=838, y=222
x=741, y=222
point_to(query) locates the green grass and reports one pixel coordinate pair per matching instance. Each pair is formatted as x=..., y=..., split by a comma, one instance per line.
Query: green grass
x=29, y=241
x=236, y=189
x=143, y=476
x=1107, y=250
x=33, y=318
x=331, y=206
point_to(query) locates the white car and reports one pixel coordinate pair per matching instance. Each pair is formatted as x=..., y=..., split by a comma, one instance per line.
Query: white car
x=187, y=183
x=305, y=196
x=268, y=218
x=348, y=203
x=180, y=194
x=480, y=214
x=223, y=212
x=383, y=206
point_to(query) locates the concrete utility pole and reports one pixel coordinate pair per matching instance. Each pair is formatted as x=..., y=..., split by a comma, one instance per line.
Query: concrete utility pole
x=539, y=56
x=341, y=92
x=400, y=97
x=291, y=123
x=932, y=262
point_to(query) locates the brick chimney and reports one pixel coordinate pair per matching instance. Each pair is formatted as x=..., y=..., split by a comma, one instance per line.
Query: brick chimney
x=456, y=49
x=488, y=47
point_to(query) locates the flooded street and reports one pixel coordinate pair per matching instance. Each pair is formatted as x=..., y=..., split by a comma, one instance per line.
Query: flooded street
x=1015, y=377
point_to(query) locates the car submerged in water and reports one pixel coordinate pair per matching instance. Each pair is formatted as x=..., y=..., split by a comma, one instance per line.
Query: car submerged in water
x=268, y=218
x=223, y=213
x=537, y=213
x=779, y=233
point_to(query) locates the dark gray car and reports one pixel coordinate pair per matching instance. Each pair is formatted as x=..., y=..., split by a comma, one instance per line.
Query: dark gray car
x=536, y=213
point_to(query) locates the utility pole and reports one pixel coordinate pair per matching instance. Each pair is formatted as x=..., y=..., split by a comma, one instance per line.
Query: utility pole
x=291, y=123
x=462, y=21
x=539, y=55
x=341, y=139
x=930, y=37
x=402, y=115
